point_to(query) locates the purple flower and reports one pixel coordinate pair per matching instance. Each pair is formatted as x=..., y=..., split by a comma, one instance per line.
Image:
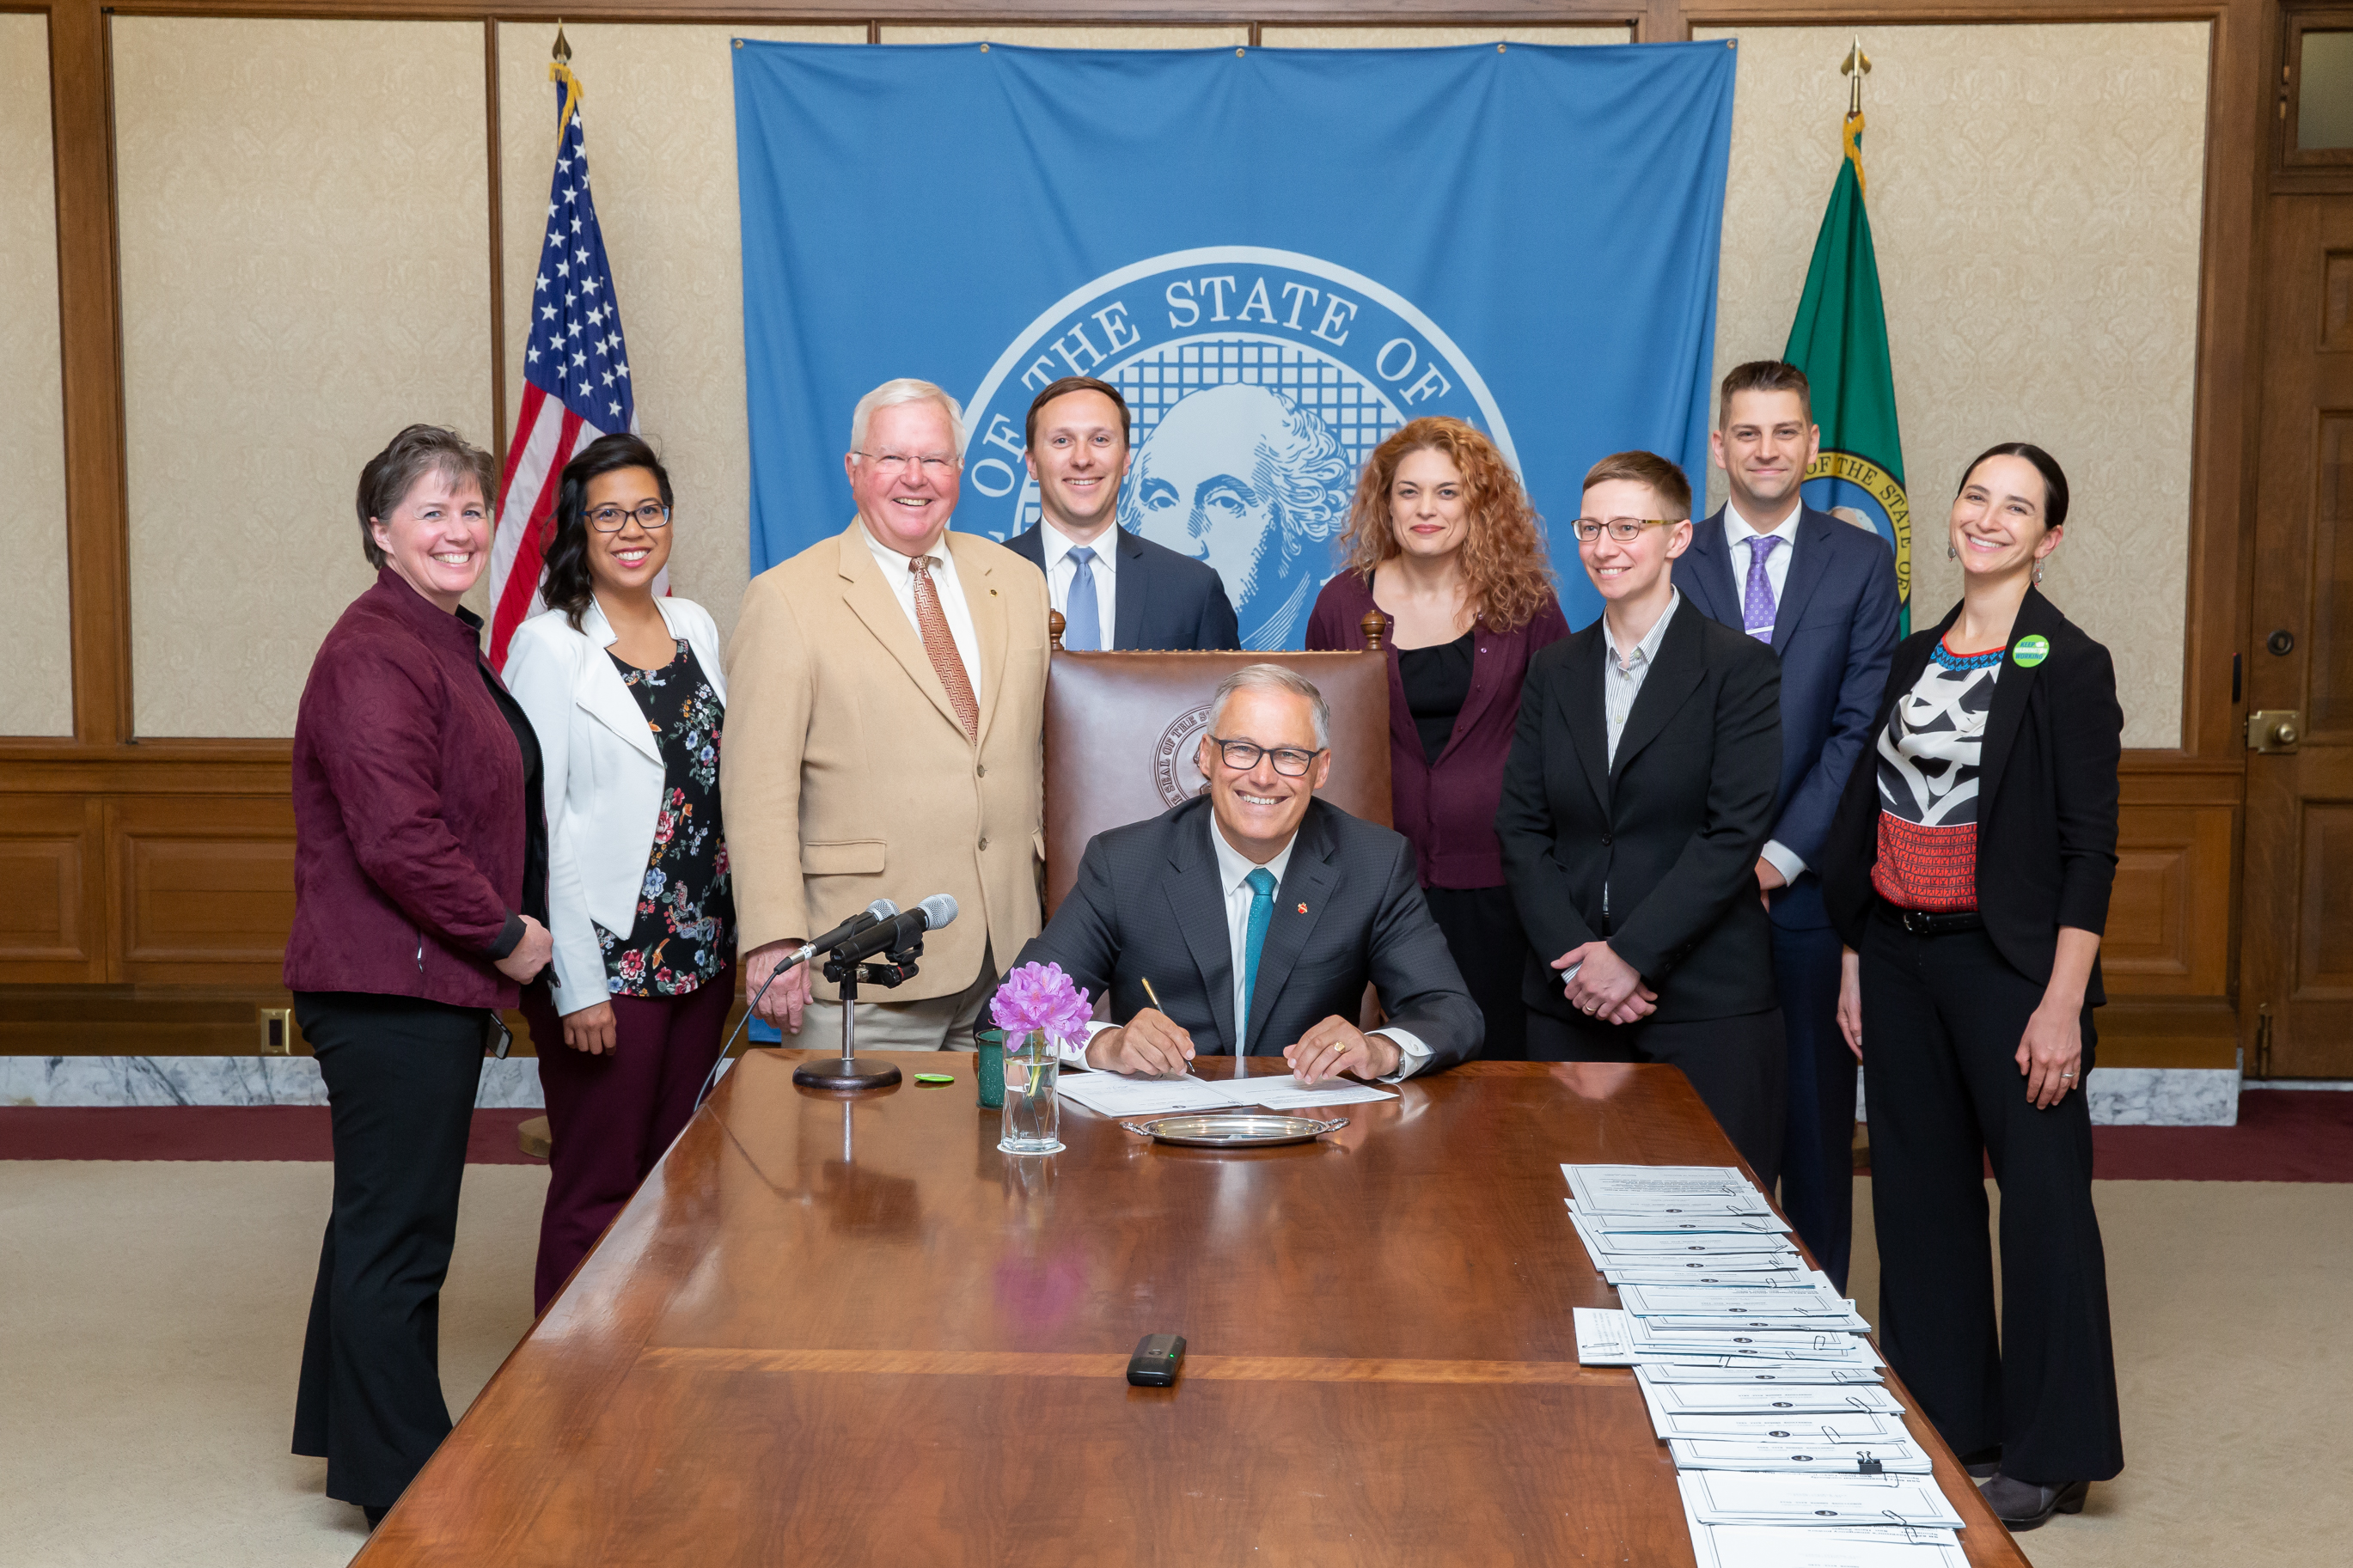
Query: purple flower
x=1039, y=997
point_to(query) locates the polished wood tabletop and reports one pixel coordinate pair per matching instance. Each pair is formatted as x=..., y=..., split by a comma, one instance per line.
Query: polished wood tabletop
x=837, y=1330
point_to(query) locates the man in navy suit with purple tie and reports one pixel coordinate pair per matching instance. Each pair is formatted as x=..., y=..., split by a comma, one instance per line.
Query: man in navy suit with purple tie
x=1822, y=592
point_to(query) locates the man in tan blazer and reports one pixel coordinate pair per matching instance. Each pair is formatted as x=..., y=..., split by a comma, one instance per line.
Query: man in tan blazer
x=884, y=722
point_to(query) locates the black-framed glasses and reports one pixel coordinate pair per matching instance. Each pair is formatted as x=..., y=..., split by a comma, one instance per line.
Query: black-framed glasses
x=1244, y=755
x=613, y=518
x=1624, y=529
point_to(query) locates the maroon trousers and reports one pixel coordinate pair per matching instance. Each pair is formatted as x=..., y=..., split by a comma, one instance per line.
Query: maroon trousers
x=611, y=1116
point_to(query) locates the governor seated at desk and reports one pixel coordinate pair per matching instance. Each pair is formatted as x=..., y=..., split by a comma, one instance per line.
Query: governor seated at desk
x=1259, y=902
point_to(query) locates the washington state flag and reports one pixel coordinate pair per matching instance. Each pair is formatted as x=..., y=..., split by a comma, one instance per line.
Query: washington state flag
x=1840, y=341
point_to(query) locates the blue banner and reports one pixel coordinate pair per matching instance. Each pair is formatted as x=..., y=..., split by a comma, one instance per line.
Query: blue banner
x=1279, y=256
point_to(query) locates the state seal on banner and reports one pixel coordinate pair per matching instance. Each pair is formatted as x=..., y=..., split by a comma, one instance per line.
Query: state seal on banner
x=1260, y=381
x=1857, y=491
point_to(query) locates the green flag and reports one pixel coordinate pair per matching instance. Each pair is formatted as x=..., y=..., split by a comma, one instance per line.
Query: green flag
x=1840, y=341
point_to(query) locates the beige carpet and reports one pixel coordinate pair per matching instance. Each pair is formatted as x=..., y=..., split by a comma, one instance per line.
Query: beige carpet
x=154, y=1319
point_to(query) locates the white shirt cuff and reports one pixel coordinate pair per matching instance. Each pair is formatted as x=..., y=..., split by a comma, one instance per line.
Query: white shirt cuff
x=1778, y=856
x=1412, y=1055
x=1074, y=1053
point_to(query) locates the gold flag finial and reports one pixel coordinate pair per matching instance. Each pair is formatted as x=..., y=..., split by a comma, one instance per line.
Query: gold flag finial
x=562, y=53
x=1855, y=67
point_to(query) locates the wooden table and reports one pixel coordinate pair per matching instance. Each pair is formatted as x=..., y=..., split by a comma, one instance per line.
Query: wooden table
x=835, y=1330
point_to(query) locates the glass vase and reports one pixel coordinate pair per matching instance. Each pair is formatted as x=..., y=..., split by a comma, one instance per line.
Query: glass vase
x=1033, y=1120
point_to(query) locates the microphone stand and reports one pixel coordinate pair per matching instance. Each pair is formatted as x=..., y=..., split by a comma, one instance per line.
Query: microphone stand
x=850, y=1073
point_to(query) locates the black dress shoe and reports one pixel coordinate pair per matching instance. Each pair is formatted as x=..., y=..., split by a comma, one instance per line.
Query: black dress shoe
x=2022, y=1505
x=376, y=1515
x=1983, y=1464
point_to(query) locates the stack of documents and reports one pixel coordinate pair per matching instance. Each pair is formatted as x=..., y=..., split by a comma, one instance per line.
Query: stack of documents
x=1116, y=1094
x=1790, y=1451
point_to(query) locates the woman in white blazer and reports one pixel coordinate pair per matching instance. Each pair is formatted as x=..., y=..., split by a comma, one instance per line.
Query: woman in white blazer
x=625, y=689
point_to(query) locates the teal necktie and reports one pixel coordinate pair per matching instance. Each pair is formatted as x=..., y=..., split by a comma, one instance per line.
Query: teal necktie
x=1261, y=915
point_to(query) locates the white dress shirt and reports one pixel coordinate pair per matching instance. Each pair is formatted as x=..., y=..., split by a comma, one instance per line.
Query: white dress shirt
x=1737, y=532
x=1062, y=572
x=1234, y=869
x=897, y=572
x=1623, y=672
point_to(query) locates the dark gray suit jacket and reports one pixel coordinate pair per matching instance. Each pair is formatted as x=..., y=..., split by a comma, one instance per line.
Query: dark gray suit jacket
x=1166, y=602
x=1147, y=906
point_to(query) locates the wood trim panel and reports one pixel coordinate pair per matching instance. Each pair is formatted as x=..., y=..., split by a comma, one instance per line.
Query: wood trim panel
x=203, y=888
x=51, y=890
x=2169, y=927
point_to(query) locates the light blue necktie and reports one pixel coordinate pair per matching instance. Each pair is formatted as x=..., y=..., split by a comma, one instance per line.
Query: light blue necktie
x=1082, y=622
x=1261, y=915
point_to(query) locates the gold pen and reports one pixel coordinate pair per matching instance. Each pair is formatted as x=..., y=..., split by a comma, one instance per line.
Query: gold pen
x=1153, y=997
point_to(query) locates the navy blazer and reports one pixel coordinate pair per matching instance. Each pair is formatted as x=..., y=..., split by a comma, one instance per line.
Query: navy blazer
x=1147, y=906
x=1165, y=602
x=1833, y=631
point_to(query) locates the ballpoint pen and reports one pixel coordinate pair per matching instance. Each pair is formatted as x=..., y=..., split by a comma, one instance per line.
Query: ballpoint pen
x=1153, y=997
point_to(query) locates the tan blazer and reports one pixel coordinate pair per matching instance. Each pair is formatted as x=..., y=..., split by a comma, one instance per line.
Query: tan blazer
x=845, y=778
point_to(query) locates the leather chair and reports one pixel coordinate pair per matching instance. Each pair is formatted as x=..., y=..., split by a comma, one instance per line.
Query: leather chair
x=1121, y=728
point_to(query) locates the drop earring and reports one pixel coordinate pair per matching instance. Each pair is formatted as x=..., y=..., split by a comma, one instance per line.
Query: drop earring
x=2038, y=573
x=1952, y=552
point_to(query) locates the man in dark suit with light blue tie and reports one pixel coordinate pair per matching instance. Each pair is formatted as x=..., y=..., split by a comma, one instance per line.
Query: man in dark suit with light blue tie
x=1114, y=589
x=1249, y=919
x=1822, y=592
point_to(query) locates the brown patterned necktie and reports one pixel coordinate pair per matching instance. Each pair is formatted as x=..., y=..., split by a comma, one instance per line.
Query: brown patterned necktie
x=940, y=648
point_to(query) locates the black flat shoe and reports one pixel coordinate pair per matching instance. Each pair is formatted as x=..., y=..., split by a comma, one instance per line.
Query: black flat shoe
x=2022, y=1505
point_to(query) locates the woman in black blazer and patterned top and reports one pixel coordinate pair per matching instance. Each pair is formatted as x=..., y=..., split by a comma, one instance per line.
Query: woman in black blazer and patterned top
x=1968, y=873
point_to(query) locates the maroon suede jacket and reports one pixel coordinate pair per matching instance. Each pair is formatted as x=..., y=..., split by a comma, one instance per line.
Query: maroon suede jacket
x=412, y=824
x=1446, y=808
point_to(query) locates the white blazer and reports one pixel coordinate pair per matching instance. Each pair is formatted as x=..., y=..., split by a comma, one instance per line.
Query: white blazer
x=604, y=777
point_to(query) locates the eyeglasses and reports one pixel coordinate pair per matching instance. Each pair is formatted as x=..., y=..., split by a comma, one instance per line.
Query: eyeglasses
x=891, y=464
x=1244, y=755
x=1624, y=529
x=613, y=518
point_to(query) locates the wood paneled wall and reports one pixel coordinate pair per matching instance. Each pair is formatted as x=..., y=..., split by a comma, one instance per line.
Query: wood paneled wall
x=145, y=886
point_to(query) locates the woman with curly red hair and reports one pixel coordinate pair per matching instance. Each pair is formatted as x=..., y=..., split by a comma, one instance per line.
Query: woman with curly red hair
x=1442, y=541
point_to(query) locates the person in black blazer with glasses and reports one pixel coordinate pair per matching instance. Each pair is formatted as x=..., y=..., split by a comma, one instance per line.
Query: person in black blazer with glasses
x=1638, y=791
x=1967, y=872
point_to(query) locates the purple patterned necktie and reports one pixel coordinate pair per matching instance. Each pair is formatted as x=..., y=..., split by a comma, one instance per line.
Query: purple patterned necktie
x=1756, y=605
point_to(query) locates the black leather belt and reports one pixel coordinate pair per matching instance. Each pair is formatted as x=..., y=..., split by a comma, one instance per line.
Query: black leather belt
x=1922, y=922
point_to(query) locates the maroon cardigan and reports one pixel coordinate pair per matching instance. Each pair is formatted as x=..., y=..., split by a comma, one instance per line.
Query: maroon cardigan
x=410, y=821
x=1447, y=808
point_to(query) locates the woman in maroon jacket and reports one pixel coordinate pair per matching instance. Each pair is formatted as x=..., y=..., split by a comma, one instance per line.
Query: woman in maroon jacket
x=420, y=905
x=1442, y=541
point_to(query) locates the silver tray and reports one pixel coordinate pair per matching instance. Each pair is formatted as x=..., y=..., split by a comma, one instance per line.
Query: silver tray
x=1227, y=1129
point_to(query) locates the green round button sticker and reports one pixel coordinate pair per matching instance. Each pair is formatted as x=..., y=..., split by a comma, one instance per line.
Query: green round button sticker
x=2031, y=651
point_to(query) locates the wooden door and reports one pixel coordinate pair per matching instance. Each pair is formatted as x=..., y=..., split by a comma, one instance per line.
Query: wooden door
x=2296, y=967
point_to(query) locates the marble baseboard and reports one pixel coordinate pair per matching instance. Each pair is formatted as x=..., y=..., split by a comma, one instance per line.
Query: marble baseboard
x=216, y=1080
x=2152, y=1096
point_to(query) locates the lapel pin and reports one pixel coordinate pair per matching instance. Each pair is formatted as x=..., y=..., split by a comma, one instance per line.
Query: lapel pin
x=1302, y=909
x=2031, y=651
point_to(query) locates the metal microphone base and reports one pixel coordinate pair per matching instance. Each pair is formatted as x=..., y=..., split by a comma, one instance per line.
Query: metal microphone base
x=846, y=1073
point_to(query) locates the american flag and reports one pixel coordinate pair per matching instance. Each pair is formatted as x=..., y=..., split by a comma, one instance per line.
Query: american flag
x=576, y=375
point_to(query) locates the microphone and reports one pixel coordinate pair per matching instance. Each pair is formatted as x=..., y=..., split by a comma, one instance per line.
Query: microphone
x=873, y=914
x=899, y=931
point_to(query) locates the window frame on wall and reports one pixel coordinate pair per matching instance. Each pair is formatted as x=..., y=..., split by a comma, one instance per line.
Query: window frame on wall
x=2287, y=154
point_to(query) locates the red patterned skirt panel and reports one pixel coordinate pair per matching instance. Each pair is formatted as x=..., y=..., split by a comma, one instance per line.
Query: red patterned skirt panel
x=1931, y=868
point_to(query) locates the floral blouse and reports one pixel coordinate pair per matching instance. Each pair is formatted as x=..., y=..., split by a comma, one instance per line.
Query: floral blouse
x=684, y=933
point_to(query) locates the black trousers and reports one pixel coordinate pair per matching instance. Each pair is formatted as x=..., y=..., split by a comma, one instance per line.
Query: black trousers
x=1483, y=932
x=1736, y=1064
x=1818, y=1138
x=1942, y=1017
x=401, y=1075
